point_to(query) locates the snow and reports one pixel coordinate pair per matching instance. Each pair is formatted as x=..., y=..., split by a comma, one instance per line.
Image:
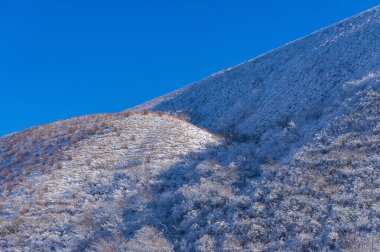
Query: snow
x=280, y=153
x=307, y=82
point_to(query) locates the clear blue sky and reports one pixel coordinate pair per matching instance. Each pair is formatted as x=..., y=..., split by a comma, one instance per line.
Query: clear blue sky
x=65, y=58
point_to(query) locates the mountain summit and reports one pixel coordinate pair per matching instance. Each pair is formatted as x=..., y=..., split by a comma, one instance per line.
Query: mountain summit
x=280, y=153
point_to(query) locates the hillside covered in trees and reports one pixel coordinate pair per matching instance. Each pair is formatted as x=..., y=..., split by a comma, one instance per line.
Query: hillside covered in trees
x=280, y=153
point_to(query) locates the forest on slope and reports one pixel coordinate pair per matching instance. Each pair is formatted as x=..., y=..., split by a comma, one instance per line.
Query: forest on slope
x=280, y=153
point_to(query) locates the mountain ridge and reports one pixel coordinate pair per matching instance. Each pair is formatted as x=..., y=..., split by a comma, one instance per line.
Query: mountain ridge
x=149, y=104
x=280, y=153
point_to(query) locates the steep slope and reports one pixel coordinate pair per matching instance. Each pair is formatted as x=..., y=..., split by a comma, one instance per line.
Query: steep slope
x=315, y=98
x=324, y=197
x=281, y=153
x=306, y=83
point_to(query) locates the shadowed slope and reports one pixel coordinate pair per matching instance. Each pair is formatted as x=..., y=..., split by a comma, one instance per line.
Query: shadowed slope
x=297, y=166
x=305, y=84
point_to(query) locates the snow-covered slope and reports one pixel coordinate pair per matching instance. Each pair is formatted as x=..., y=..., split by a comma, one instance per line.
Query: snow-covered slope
x=67, y=202
x=280, y=153
x=306, y=83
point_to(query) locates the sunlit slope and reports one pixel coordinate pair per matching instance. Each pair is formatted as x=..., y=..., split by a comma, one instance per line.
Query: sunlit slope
x=66, y=198
x=280, y=153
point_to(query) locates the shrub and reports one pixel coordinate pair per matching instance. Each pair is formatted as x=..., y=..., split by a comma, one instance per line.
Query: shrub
x=27, y=170
x=128, y=113
x=149, y=239
x=15, y=226
x=72, y=130
x=9, y=187
x=206, y=243
x=112, y=244
x=23, y=211
x=104, y=125
x=86, y=176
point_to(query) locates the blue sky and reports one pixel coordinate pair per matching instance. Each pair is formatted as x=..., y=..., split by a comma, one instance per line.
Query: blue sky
x=66, y=58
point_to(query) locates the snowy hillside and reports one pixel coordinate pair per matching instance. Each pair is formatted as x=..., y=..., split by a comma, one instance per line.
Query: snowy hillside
x=306, y=83
x=82, y=194
x=280, y=153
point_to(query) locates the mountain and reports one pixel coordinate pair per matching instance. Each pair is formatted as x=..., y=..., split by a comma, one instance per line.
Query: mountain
x=280, y=153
